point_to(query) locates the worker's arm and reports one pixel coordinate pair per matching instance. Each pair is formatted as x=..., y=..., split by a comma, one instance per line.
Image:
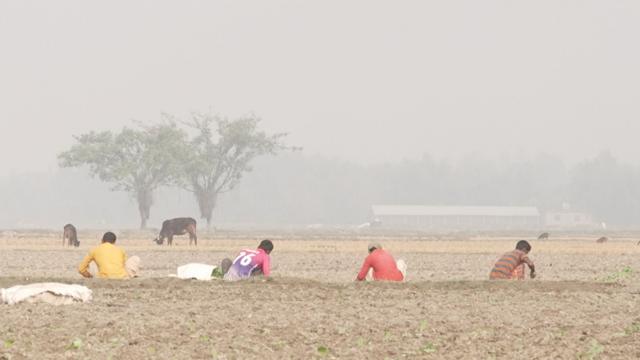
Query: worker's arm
x=365, y=269
x=266, y=266
x=83, y=269
x=531, y=266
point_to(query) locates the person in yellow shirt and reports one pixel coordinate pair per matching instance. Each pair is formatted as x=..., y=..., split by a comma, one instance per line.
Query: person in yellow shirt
x=112, y=261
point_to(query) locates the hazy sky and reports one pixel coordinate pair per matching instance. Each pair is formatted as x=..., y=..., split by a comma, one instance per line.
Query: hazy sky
x=359, y=80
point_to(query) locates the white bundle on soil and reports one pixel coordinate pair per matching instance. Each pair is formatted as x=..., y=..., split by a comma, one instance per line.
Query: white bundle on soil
x=195, y=271
x=51, y=293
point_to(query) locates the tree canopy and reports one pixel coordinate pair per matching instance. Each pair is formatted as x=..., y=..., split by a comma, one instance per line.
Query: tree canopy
x=137, y=160
x=220, y=153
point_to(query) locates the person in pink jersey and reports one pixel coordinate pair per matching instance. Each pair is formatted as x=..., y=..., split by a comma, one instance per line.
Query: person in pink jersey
x=249, y=263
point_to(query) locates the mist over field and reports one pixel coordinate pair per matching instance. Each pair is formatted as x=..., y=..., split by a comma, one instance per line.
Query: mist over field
x=413, y=103
x=294, y=189
x=385, y=158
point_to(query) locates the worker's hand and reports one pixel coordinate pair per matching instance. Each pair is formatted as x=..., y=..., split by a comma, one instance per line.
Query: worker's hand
x=533, y=274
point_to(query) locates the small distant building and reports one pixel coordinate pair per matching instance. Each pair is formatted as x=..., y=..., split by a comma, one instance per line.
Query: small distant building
x=457, y=217
x=566, y=219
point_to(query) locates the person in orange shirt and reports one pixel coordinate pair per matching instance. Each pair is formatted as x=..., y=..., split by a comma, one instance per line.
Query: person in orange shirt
x=382, y=264
x=112, y=261
x=511, y=264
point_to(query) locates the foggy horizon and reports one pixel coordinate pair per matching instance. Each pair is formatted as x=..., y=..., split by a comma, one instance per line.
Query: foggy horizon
x=320, y=179
x=463, y=102
x=367, y=82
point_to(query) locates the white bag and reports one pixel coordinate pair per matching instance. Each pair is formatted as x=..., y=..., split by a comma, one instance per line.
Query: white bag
x=195, y=271
x=68, y=292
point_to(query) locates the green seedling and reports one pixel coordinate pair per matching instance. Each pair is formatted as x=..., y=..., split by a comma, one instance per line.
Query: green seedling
x=595, y=349
x=423, y=325
x=429, y=348
x=204, y=338
x=623, y=274
x=280, y=344
x=217, y=273
x=75, y=344
x=8, y=343
x=323, y=350
x=632, y=329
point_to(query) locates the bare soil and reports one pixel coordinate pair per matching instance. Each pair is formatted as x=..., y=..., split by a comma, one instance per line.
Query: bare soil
x=584, y=304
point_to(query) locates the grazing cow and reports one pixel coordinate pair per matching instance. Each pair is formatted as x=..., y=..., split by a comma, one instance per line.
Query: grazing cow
x=177, y=226
x=544, y=236
x=603, y=239
x=71, y=235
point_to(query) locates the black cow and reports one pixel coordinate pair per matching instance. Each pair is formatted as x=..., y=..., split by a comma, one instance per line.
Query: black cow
x=177, y=226
x=70, y=234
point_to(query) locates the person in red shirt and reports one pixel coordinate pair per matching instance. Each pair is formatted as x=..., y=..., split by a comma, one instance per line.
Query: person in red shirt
x=383, y=265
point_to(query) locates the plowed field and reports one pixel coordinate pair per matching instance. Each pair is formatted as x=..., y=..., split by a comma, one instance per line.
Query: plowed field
x=584, y=304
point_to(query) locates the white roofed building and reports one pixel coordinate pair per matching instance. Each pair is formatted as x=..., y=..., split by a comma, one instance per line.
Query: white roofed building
x=457, y=217
x=566, y=219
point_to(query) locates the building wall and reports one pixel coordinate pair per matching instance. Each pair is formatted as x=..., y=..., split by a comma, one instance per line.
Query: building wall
x=460, y=222
x=568, y=220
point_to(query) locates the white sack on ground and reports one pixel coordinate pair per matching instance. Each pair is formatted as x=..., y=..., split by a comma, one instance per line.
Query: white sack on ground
x=195, y=271
x=402, y=266
x=54, y=293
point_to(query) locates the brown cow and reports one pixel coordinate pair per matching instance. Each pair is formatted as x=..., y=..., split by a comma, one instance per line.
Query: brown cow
x=544, y=236
x=177, y=226
x=70, y=234
x=603, y=239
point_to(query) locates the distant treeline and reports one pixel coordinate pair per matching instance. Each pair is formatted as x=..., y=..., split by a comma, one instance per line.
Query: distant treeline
x=294, y=188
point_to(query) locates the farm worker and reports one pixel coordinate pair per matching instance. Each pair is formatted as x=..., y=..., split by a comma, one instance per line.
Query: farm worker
x=383, y=265
x=511, y=264
x=249, y=263
x=112, y=261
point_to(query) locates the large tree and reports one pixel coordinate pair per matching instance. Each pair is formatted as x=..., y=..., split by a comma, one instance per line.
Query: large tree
x=220, y=153
x=137, y=160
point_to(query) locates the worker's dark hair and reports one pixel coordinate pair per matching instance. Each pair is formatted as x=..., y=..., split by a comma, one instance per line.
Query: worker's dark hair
x=523, y=245
x=266, y=245
x=109, y=237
